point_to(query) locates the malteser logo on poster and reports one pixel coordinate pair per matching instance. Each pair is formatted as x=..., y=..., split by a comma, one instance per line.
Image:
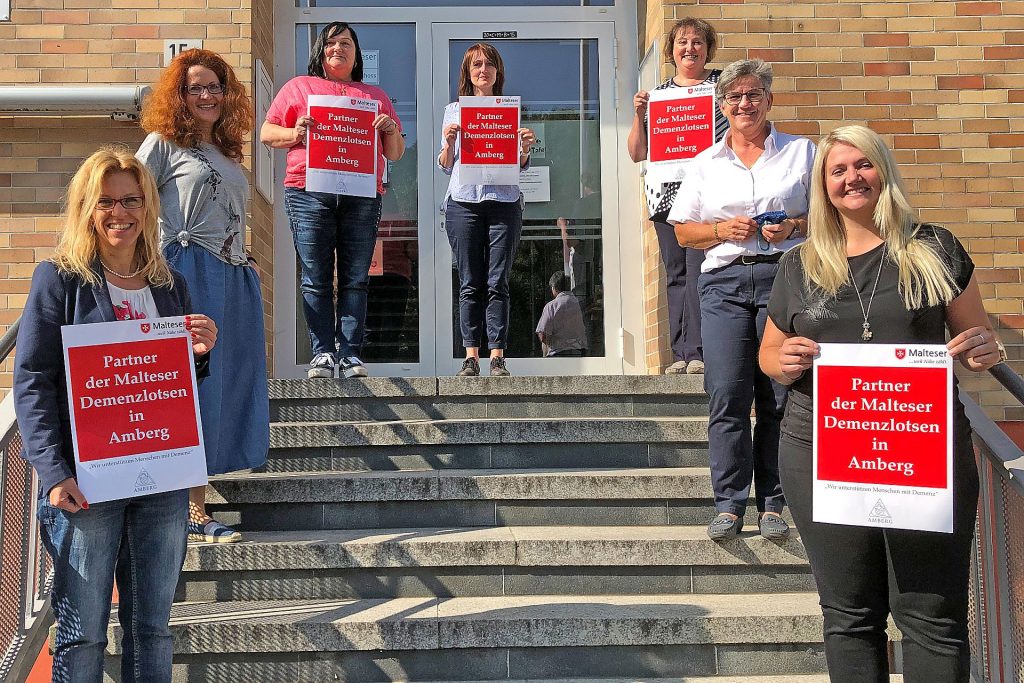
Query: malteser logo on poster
x=145, y=328
x=901, y=354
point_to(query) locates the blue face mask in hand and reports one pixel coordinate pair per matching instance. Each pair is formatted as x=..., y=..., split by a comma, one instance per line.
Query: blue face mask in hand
x=767, y=218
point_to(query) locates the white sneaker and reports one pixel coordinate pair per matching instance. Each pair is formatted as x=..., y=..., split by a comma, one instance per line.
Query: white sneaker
x=695, y=367
x=677, y=368
x=350, y=366
x=322, y=365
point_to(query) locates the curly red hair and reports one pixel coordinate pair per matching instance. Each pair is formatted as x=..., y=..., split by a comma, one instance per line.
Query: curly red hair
x=166, y=113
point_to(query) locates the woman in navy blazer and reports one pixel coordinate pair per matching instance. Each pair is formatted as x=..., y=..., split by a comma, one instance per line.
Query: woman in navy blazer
x=108, y=266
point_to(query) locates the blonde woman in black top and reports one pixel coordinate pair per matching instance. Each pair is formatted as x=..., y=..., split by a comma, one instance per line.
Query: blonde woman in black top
x=870, y=273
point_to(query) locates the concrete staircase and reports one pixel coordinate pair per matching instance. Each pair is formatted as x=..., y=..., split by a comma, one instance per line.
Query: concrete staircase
x=481, y=529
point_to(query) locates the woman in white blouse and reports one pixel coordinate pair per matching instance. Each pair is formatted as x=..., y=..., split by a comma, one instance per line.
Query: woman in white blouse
x=745, y=203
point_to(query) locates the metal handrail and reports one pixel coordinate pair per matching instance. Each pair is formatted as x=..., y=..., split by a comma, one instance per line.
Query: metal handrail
x=997, y=574
x=25, y=613
x=8, y=340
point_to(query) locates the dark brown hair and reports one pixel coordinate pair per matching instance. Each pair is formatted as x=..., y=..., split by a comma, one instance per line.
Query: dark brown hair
x=700, y=27
x=490, y=53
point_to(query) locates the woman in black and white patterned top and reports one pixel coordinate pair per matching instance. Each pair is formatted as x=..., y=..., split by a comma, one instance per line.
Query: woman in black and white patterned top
x=691, y=45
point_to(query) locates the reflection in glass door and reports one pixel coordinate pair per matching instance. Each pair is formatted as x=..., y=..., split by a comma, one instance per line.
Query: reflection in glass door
x=559, y=81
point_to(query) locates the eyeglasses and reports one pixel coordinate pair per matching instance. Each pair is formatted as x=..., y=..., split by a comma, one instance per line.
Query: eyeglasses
x=754, y=96
x=108, y=204
x=213, y=89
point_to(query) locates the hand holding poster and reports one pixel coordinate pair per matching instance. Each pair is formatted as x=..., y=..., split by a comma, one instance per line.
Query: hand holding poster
x=883, y=436
x=342, y=148
x=489, y=140
x=134, y=408
x=680, y=125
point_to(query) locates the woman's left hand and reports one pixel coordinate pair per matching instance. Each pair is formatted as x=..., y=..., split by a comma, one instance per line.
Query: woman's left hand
x=385, y=124
x=527, y=139
x=778, y=232
x=203, y=331
x=977, y=348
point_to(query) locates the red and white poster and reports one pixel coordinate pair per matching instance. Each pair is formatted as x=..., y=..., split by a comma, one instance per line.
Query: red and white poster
x=489, y=140
x=680, y=125
x=134, y=408
x=342, y=148
x=883, y=436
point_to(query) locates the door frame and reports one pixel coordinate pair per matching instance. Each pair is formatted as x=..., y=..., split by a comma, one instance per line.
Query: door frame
x=624, y=328
x=603, y=32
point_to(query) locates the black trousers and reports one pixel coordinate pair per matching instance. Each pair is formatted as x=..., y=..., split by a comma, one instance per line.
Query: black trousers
x=864, y=574
x=484, y=237
x=682, y=266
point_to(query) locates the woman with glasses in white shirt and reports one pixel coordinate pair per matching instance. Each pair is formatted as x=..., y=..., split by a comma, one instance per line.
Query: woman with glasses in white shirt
x=745, y=203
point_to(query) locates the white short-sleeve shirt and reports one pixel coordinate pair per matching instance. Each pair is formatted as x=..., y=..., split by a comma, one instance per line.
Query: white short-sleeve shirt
x=719, y=187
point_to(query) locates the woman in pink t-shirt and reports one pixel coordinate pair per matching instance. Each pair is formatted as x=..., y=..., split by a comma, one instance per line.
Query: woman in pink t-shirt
x=331, y=230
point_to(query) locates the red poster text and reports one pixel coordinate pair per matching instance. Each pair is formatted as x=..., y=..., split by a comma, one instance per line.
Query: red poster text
x=133, y=397
x=490, y=135
x=681, y=129
x=882, y=426
x=342, y=140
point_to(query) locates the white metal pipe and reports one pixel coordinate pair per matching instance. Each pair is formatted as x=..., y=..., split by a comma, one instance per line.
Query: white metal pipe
x=103, y=100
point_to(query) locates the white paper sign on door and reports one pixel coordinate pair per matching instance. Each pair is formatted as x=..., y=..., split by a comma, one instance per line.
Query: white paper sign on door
x=883, y=436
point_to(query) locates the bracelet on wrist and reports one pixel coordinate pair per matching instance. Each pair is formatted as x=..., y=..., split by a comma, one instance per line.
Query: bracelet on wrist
x=714, y=229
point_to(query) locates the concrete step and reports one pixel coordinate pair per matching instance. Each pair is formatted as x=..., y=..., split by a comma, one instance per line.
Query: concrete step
x=488, y=456
x=505, y=622
x=490, y=562
x=561, y=387
x=464, y=498
x=475, y=431
x=551, y=546
x=688, y=663
x=432, y=398
x=510, y=484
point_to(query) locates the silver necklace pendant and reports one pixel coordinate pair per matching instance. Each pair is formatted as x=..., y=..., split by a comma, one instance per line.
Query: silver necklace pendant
x=866, y=335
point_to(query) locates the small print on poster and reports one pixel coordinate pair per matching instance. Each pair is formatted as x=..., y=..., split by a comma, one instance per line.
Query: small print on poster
x=680, y=125
x=489, y=140
x=134, y=409
x=342, y=149
x=883, y=436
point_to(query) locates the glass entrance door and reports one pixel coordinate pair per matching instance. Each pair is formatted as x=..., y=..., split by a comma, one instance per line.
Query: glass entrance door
x=562, y=73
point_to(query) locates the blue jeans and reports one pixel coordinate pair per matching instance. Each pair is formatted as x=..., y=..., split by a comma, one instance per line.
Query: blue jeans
x=333, y=230
x=484, y=238
x=733, y=312
x=141, y=541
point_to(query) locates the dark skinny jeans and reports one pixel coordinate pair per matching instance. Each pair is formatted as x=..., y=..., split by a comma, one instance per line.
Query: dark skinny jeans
x=484, y=238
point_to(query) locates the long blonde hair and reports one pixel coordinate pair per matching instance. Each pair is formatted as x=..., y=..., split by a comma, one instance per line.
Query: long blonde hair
x=78, y=247
x=924, y=278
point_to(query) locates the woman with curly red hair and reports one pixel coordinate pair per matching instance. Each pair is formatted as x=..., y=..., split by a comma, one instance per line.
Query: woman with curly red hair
x=196, y=118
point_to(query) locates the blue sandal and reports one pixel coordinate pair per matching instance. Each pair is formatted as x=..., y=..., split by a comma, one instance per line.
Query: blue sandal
x=211, y=532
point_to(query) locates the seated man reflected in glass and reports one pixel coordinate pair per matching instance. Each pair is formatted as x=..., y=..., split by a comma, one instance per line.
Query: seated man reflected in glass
x=561, y=329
